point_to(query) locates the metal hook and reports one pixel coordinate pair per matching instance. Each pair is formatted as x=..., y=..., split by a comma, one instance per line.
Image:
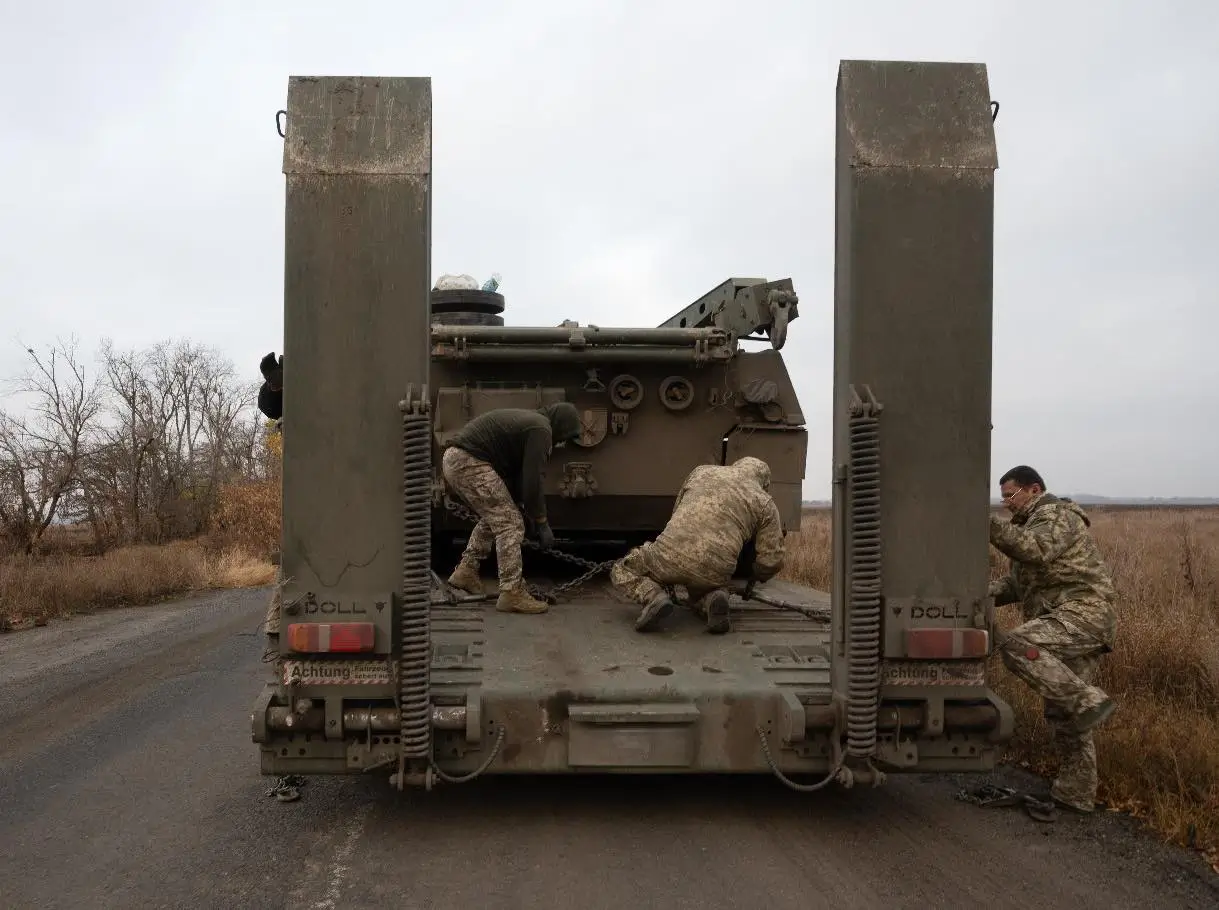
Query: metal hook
x=280, y=129
x=994, y=111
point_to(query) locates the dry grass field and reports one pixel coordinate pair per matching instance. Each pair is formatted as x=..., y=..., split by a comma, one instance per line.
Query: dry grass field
x=64, y=578
x=1159, y=753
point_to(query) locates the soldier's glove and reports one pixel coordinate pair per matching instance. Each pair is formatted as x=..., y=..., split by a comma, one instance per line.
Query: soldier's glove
x=545, y=535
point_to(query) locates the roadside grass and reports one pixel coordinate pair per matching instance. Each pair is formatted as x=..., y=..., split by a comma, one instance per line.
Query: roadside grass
x=1158, y=755
x=65, y=579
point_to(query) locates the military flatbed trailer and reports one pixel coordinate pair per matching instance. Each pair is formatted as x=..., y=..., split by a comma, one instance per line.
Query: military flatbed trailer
x=577, y=689
x=382, y=668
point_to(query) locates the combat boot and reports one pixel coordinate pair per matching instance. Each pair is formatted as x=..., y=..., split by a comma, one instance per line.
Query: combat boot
x=716, y=605
x=465, y=578
x=657, y=608
x=517, y=599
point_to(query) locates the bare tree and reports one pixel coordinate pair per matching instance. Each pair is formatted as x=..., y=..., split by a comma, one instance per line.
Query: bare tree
x=43, y=450
x=140, y=453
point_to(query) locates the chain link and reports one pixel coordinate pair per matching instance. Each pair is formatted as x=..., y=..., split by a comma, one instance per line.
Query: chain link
x=592, y=569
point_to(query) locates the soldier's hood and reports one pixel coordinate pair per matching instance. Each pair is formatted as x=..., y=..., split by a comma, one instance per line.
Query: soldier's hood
x=1054, y=503
x=564, y=420
x=755, y=469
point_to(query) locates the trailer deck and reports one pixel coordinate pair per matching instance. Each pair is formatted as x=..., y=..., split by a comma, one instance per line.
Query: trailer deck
x=589, y=648
x=578, y=687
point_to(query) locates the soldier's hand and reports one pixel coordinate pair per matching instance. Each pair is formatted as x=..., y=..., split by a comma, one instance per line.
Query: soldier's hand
x=545, y=536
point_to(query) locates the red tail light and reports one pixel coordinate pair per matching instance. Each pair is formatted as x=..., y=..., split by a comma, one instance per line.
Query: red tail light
x=946, y=644
x=331, y=637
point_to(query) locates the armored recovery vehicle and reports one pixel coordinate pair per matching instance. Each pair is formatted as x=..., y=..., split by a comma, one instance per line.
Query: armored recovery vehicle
x=383, y=669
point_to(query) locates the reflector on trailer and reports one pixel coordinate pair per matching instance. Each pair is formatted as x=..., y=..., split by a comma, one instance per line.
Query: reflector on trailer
x=946, y=643
x=331, y=637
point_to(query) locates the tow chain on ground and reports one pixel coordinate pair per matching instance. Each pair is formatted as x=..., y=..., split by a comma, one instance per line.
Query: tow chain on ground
x=287, y=788
x=592, y=569
x=993, y=796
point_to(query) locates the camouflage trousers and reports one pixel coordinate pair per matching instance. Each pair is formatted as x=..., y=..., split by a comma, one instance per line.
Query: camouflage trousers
x=645, y=571
x=270, y=624
x=499, y=520
x=1059, y=661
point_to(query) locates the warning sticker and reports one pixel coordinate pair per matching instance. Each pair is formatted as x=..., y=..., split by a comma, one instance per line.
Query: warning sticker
x=933, y=673
x=338, y=672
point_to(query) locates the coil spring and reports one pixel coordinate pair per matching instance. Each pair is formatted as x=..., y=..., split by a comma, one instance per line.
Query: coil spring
x=414, y=667
x=863, y=654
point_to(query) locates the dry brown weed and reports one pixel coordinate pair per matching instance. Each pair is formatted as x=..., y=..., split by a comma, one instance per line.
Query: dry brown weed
x=1158, y=755
x=34, y=589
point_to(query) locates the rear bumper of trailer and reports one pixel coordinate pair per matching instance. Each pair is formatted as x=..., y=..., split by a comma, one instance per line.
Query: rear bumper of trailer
x=553, y=733
x=578, y=690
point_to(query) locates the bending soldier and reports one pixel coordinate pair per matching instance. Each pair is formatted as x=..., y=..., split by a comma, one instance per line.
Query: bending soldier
x=719, y=509
x=498, y=459
x=1068, y=598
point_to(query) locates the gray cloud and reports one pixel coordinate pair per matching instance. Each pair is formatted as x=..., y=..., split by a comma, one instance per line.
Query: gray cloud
x=616, y=160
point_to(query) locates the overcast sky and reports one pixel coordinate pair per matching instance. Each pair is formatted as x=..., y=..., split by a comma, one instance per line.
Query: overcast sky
x=615, y=160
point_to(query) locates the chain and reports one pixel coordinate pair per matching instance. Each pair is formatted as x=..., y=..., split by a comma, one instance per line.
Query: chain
x=288, y=788
x=592, y=569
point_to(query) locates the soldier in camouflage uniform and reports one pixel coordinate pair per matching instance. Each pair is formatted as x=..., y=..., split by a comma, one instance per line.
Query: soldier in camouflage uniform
x=1068, y=597
x=498, y=459
x=719, y=509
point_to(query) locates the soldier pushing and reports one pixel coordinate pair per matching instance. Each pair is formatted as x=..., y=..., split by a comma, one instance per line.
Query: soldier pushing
x=1068, y=597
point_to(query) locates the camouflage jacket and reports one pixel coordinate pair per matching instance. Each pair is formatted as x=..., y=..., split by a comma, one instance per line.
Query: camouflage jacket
x=720, y=509
x=1056, y=567
x=517, y=443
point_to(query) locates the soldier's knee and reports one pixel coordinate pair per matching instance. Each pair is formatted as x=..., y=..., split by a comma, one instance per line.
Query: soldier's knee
x=510, y=526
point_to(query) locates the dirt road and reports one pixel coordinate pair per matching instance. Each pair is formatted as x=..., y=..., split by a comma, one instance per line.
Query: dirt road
x=128, y=779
